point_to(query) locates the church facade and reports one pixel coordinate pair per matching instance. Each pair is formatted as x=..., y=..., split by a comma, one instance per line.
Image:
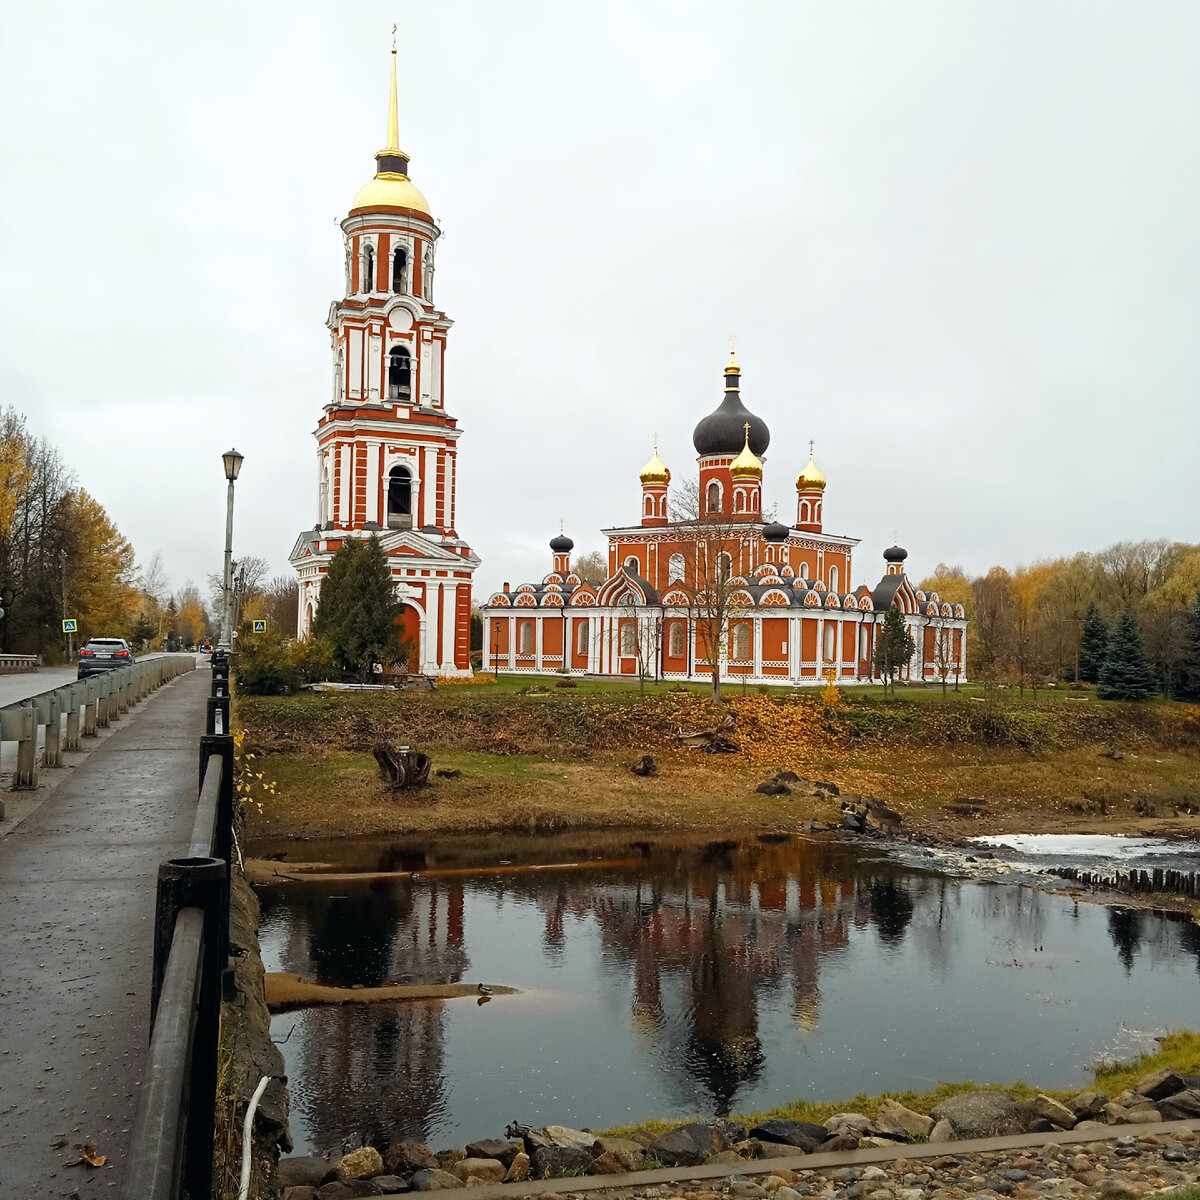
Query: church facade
x=709, y=576
x=387, y=446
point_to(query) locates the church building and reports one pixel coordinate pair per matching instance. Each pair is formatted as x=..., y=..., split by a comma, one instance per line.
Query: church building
x=710, y=575
x=387, y=447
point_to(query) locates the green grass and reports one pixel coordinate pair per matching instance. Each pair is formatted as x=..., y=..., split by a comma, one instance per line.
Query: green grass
x=1178, y=1050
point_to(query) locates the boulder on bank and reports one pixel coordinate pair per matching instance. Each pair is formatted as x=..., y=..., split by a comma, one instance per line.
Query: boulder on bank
x=982, y=1114
x=542, y=1136
x=498, y=1148
x=1087, y=1105
x=893, y=1120
x=435, y=1181
x=801, y=1135
x=358, y=1164
x=693, y=1143
x=1043, y=1108
x=1182, y=1106
x=303, y=1171
x=546, y=1162
x=490, y=1170
x=1158, y=1085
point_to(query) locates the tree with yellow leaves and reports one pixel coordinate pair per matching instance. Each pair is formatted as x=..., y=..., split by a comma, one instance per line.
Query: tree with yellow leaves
x=101, y=584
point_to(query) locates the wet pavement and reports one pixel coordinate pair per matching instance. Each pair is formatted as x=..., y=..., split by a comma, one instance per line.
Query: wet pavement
x=77, y=882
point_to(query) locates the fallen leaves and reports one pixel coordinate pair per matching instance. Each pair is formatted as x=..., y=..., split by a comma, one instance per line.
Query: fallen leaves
x=88, y=1156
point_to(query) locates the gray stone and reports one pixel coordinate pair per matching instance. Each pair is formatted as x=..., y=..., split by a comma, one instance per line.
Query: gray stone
x=402, y=1158
x=518, y=1169
x=1182, y=1106
x=498, y=1148
x=894, y=1120
x=1158, y=1085
x=693, y=1143
x=391, y=1185
x=308, y=1171
x=300, y=1193
x=840, y=1142
x=854, y=1123
x=492, y=1170
x=1121, y=1189
x=1116, y=1114
x=348, y=1189
x=782, y=1149
x=800, y=1134
x=619, y=1162
x=789, y=1193
x=745, y=1189
x=434, y=1180
x=1175, y=1153
x=1016, y=1176
x=1047, y=1109
x=872, y=1173
x=610, y=1145
x=942, y=1131
x=558, y=1135
x=1087, y=1105
x=982, y=1114
x=550, y=1162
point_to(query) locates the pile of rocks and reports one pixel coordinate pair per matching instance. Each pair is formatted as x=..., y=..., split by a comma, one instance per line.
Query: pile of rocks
x=555, y=1151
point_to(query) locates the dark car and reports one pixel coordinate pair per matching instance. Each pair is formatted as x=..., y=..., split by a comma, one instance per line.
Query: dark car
x=103, y=654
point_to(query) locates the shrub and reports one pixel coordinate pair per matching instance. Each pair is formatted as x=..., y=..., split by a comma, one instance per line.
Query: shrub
x=269, y=665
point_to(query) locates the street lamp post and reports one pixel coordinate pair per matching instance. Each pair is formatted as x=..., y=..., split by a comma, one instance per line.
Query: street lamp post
x=233, y=464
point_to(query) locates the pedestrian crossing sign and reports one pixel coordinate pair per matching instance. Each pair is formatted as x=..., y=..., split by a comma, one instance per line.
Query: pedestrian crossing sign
x=70, y=625
x=260, y=627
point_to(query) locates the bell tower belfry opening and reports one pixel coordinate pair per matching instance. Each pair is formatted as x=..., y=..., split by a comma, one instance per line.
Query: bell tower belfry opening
x=387, y=448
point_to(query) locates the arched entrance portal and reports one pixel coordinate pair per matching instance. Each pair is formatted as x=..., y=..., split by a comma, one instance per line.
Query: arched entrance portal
x=408, y=631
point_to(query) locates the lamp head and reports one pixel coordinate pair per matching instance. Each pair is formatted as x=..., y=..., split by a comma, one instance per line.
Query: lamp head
x=233, y=464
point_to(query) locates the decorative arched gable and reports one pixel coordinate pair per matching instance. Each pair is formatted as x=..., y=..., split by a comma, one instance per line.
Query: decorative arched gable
x=775, y=598
x=528, y=600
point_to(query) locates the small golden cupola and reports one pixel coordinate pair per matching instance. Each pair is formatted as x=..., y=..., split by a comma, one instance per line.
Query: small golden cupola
x=391, y=189
x=655, y=473
x=747, y=465
x=810, y=479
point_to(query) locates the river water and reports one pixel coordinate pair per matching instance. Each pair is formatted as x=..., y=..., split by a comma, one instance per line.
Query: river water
x=671, y=977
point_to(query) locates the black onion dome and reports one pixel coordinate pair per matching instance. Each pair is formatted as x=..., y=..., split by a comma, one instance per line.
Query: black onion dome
x=723, y=431
x=561, y=544
x=895, y=554
x=776, y=532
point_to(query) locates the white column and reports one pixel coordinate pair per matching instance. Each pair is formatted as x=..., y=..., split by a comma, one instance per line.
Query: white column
x=820, y=645
x=374, y=360
x=512, y=642
x=373, y=456
x=346, y=485
x=448, y=502
x=433, y=600
x=838, y=647
x=428, y=507
x=757, y=649
x=537, y=641
x=594, y=645
x=449, y=611
x=795, y=641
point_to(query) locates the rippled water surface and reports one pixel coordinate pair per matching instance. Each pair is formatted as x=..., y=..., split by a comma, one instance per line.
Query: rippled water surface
x=665, y=978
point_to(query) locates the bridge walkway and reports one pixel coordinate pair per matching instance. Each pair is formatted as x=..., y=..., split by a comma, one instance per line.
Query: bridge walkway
x=77, y=887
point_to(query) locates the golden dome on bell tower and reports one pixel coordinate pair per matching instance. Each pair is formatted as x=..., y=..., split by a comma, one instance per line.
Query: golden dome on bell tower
x=747, y=465
x=810, y=479
x=655, y=473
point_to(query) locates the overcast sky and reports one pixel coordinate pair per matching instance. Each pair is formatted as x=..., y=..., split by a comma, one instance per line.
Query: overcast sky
x=959, y=244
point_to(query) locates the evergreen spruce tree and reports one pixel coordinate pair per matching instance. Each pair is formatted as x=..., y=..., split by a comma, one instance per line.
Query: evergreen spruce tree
x=358, y=607
x=894, y=646
x=1126, y=675
x=1189, y=667
x=1093, y=645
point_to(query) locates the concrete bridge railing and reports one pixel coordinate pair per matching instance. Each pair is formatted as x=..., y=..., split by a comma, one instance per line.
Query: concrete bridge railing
x=89, y=704
x=12, y=664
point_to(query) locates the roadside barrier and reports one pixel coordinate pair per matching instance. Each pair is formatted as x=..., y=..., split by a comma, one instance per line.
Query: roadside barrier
x=171, y=1150
x=12, y=664
x=89, y=704
x=1175, y=883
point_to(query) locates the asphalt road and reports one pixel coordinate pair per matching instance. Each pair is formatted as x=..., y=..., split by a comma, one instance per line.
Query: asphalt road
x=77, y=881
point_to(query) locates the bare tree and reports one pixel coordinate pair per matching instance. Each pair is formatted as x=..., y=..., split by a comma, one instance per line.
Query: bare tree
x=716, y=550
x=591, y=567
x=282, y=596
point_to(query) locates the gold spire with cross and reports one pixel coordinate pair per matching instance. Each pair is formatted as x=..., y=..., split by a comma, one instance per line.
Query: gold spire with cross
x=393, y=133
x=731, y=367
x=810, y=479
x=655, y=473
x=747, y=465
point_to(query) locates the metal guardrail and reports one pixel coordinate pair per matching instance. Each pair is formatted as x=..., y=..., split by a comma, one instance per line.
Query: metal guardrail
x=171, y=1150
x=89, y=704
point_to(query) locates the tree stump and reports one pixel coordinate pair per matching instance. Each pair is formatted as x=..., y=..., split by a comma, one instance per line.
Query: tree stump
x=402, y=769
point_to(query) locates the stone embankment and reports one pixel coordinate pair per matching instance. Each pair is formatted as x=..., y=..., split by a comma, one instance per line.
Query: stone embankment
x=926, y=1163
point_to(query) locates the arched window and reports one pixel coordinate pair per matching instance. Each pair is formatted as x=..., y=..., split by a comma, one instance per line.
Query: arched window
x=628, y=639
x=399, y=373
x=323, y=506
x=369, y=269
x=649, y=506
x=632, y=563
x=676, y=568
x=862, y=642
x=400, y=271
x=830, y=645
x=833, y=579
x=525, y=644
x=817, y=512
x=739, y=500
x=675, y=643
x=714, y=497
x=399, y=498
x=804, y=571
x=582, y=635
x=724, y=566
x=804, y=512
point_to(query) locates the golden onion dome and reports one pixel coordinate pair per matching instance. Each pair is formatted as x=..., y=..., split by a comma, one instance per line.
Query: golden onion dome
x=747, y=465
x=655, y=473
x=391, y=188
x=731, y=367
x=810, y=479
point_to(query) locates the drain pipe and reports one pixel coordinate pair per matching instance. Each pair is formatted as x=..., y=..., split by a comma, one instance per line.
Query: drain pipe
x=247, y=1143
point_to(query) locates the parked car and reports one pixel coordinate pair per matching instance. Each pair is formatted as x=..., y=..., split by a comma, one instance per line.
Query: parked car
x=103, y=654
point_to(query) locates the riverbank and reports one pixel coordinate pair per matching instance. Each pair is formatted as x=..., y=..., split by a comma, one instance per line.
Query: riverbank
x=553, y=760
